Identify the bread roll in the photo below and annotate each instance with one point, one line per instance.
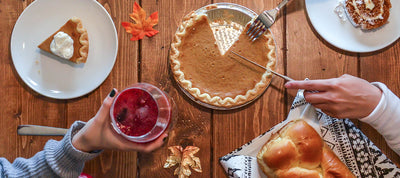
(297, 150)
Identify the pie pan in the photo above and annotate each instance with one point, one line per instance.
(227, 21)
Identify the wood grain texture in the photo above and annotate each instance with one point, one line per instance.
(308, 54)
(232, 129)
(193, 126)
(21, 105)
(301, 53)
(124, 74)
(382, 66)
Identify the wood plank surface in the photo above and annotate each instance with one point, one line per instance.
(21, 105)
(301, 53)
(309, 55)
(125, 73)
(193, 125)
(232, 129)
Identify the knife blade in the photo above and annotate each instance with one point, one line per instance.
(269, 70)
(40, 130)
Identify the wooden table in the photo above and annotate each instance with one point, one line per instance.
(301, 53)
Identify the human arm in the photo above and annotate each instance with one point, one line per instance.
(58, 159)
(343, 97)
(386, 117)
(352, 97)
(82, 142)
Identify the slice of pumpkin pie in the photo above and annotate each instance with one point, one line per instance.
(70, 42)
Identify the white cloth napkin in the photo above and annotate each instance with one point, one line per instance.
(353, 148)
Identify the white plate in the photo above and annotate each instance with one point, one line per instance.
(344, 35)
(52, 76)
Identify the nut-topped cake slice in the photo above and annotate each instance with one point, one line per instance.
(368, 14)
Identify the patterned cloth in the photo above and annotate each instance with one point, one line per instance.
(353, 148)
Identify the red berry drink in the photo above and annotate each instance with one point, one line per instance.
(141, 113)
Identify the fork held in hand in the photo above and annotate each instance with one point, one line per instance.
(264, 21)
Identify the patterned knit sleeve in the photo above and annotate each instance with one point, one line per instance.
(58, 159)
(386, 117)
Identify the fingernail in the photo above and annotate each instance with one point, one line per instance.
(112, 93)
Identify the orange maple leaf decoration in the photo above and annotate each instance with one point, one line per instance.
(142, 26)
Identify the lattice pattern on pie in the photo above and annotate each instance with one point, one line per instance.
(220, 80)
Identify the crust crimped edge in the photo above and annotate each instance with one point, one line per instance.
(188, 21)
(83, 40)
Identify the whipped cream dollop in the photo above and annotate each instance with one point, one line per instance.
(62, 45)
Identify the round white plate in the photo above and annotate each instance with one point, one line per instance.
(344, 35)
(52, 76)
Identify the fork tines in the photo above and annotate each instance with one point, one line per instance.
(264, 21)
(256, 29)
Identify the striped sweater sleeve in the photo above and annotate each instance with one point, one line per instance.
(57, 159)
(386, 117)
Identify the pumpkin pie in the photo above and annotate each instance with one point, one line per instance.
(221, 80)
(80, 47)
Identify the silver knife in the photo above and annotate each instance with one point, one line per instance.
(40, 130)
(269, 70)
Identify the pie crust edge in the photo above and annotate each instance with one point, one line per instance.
(83, 40)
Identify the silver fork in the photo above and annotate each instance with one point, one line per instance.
(264, 21)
